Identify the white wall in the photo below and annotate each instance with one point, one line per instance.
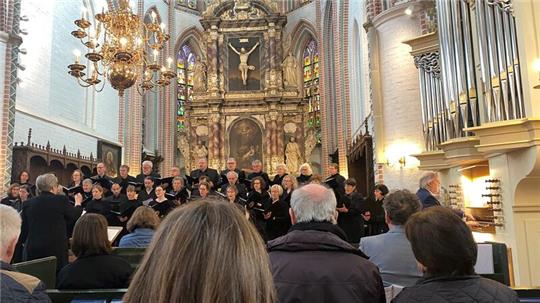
(401, 101)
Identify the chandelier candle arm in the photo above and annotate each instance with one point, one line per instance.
(122, 51)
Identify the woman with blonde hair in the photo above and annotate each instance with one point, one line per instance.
(289, 184)
(141, 227)
(225, 260)
(305, 173)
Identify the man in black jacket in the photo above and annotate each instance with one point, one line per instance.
(45, 219)
(124, 178)
(232, 166)
(15, 286)
(204, 170)
(147, 171)
(257, 168)
(313, 262)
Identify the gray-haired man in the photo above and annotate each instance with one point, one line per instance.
(313, 262)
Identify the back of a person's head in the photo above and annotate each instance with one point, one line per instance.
(143, 217)
(46, 182)
(400, 205)
(90, 236)
(314, 203)
(442, 242)
(205, 251)
(10, 228)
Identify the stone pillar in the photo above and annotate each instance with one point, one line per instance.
(133, 140)
(212, 58)
(214, 140)
(169, 110)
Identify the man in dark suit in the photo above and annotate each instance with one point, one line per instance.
(257, 169)
(147, 171)
(204, 170)
(231, 166)
(336, 182)
(45, 219)
(232, 179)
(124, 178)
(430, 189)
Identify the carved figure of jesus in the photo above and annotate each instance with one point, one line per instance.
(243, 67)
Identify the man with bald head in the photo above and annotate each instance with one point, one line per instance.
(314, 262)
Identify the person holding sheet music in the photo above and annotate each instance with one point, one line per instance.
(147, 171)
(98, 205)
(258, 201)
(45, 220)
(87, 185)
(115, 200)
(124, 178)
(232, 179)
(24, 179)
(305, 174)
(277, 217)
(350, 212)
(147, 194)
(289, 184)
(281, 172)
(336, 182)
(257, 171)
(161, 205)
(204, 170)
(178, 192)
(128, 207)
(76, 178)
(12, 198)
(232, 166)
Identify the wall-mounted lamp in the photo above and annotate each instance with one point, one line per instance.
(536, 66)
(401, 161)
(409, 10)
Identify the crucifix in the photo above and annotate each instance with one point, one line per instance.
(243, 67)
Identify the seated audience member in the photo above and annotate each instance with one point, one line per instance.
(95, 267)
(313, 262)
(141, 227)
(277, 215)
(12, 198)
(305, 174)
(24, 179)
(45, 221)
(350, 212)
(446, 252)
(224, 261)
(148, 193)
(392, 252)
(289, 184)
(374, 217)
(161, 205)
(98, 205)
(15, 286)
(281, 172)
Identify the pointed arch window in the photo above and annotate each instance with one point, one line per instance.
(311, 84)
(185, 63)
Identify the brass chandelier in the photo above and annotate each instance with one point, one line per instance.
(117, 49)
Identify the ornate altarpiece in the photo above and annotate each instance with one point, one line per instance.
(247, 121)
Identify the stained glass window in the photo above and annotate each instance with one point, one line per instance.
(311, 85)
(185, 62)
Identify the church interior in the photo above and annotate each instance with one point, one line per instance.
(385, 89)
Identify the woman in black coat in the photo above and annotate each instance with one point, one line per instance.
(258, 201)
(98, 205)
(277, 217)
(375, 214)
(24, 179)
(350, 213)
(95, 267)
(45, 219)
(281, 172)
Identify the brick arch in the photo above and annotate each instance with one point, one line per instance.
(303, 32)
(194, 37)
